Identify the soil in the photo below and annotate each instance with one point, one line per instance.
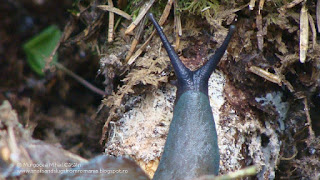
(59, 109)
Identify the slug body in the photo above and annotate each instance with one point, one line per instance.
(191, 148)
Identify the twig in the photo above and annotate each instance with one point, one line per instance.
(265, 74)
(80, 80)
(248, 171)
(290, 158)
(306, 110)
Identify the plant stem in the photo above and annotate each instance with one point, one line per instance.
(80, 80)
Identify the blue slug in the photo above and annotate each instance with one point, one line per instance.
(191, 148)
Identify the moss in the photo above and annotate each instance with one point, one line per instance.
(198, 7)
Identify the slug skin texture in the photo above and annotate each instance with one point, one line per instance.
(191, 149)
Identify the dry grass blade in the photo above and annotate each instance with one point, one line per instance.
(248, 171)
(313, 30)
(261, 4)
(265, 74)
(318, 15)
(115, 10)
(166, 12)
(260, 32)
(292, 4)
(132, 48)
(111, 22)
(141, 49)
(87, 33)
(252, 4)
(142, 14)
(136, 39)
(304, 33)
(68, 29)
(177, 25)
(163, 18)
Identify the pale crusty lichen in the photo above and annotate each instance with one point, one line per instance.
(142, 131)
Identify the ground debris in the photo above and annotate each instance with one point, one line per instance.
(20, 152)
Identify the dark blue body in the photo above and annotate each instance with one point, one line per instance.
(191, 148)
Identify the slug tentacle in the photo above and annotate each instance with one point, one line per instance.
(192, 80)
(207, 69)
(182, 72)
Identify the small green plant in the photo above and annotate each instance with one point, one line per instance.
(40, 47)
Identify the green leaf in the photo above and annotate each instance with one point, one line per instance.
(40, 47)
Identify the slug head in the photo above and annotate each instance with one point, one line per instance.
(187, 79)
